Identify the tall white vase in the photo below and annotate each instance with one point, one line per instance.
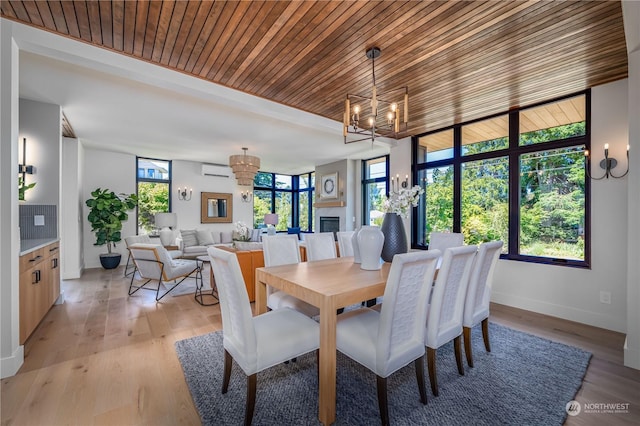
(370, 242)
(356, 247)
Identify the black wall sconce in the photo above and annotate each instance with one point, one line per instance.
(182, 194)
(608, 164)
(23, 167)
(246, 196)
(396, 184)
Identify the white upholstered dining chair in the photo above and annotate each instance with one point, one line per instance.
(256, 343)
(444, 240)
(284, 250)
(387, 341)
(320, 246)
(154, 263)
(476, 306)
(345, 245)
(444, 317)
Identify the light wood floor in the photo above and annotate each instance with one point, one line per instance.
(105, 358)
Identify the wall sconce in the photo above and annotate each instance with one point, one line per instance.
(246, 196)
(23, 167)
(182, 194)
(607, 164)
(396, 184)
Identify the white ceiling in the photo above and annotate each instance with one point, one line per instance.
(121, 104)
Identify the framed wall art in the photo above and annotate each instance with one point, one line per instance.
(329, 186)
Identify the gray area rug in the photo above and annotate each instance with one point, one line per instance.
(525, 380)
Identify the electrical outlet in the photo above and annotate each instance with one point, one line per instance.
(605, 297)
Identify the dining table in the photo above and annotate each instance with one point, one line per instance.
(329, 285)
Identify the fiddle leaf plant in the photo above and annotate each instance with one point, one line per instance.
(107, 211)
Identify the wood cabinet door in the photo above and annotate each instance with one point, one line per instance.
(31, 301)
(54, 278)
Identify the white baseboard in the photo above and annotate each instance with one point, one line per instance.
(559, 311)
(631, 356)
(9, 366)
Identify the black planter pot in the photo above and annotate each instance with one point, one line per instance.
(110, 260)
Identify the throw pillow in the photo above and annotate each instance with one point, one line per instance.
(189, 237)
(204, 237)
(255, 235)
(226, 237)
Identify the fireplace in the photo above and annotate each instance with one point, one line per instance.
(330, 224)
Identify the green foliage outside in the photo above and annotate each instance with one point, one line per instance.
(152, 198)
(552, 199)
(107, 211)
(283, 202)
(375, 200)
(261, 206)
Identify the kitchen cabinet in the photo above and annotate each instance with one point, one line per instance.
(39, 286)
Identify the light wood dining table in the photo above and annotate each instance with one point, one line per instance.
(329, 285)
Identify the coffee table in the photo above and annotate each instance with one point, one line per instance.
(200, 294)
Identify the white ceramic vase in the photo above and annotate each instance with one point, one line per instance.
(370, 242)
(356, 248)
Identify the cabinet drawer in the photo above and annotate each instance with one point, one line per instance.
(29, 260)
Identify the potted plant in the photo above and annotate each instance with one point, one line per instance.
(23, 188)
(107, 211)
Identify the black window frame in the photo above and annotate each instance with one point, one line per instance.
(513, 152)
(295, 196)
(366, 181)
(153, 180)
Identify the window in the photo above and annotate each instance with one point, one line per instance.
(518, 177)
(375, 181)
(290, 197)
(154, 183)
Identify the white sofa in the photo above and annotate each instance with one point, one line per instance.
(194, 242)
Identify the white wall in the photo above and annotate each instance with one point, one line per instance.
(106, 170)
(400, 165)
(40, 124)
(188, 173)
(631, 14)
(11, 352)
(71, 210)
(344, 168)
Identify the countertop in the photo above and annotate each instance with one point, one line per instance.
(27, 246)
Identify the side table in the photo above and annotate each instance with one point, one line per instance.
(199, 295)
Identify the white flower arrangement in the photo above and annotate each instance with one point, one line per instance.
(401, 202)
(242, 232)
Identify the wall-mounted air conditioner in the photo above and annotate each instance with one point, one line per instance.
(216, 170)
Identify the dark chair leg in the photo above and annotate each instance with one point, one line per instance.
(227, 371)
(251, 399)
(485, 334)
(371, 302)
(466, 331)
(456, 348)
(431, 364)
(382, 400)
(419, 363)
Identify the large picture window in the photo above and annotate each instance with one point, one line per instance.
(518, 177)
(290, 197)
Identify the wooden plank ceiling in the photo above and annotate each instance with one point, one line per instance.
(461, 60)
